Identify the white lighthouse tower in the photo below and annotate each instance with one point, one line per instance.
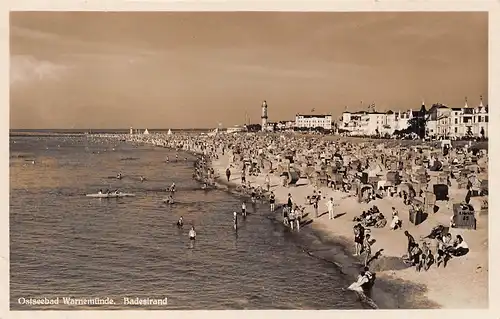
(264, 116)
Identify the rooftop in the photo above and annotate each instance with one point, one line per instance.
(314, 115)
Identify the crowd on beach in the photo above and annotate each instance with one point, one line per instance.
(340, 174)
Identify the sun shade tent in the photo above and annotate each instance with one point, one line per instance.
(441, 191)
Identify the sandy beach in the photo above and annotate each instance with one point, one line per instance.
(462, 284)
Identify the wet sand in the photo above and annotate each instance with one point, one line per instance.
(462, 284)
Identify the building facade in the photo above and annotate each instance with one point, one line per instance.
(313, 121)
(458, 122)
(373, 123)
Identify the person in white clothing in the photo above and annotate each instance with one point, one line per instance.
(244, 209)
(358, 285)
(330, 205)
(192, 233)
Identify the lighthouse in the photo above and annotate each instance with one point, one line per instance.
(264, 116)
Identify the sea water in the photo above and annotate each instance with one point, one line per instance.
(66, 245)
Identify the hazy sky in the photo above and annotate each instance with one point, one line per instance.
(174, 70)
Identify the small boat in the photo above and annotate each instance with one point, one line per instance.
(110, 195)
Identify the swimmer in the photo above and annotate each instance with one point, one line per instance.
(143, 178)
(192, 233)
(180, 222)
(166, 159)
(170, 199)
(119, 176)
(172, 188)
(100, 192)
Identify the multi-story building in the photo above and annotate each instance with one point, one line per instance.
(439, 119)
(352, 123)
(313, 121)
(373, 123)
(458, 122)
(285, 125)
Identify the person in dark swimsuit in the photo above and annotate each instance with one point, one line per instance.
(272, 201)
(359, 236)
(411, 243)
(316, 205)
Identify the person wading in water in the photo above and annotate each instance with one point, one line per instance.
(272, 201)
(192, 233)
(244, 209)
(235, 221)
(180, 222)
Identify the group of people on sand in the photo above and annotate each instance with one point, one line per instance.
(422, 257)
(373, 217)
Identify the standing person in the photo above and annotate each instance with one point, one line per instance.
(253, 196)
(359, 235)
(272, 201)
(411, 243)
(235, 221)
(290, 201)
(243, 178)
(330, 206)
(316, 205)
(367, 249)
(192, 237)
(268, 182)
(192, 233)
(228, 174)
(244, 209)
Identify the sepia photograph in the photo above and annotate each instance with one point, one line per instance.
(248, 160)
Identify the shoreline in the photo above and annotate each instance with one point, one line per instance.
(379, 298)
(397, 286)
(409, 289)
